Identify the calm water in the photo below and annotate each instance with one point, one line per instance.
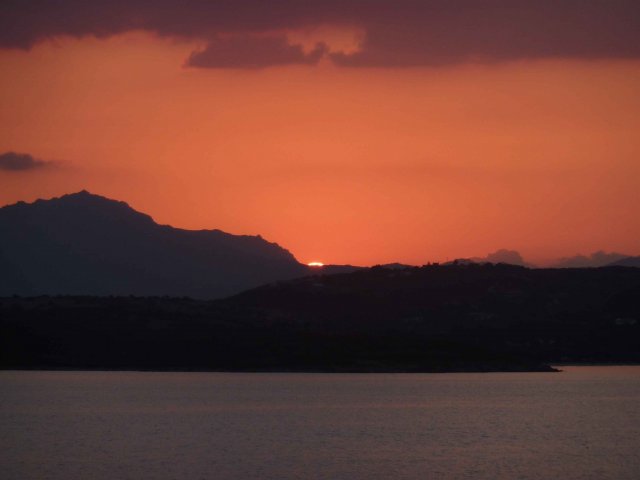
(583, 423)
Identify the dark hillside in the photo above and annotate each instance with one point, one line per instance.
(84, 244)
(433, 318)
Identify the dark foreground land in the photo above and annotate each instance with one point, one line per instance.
(428, 319)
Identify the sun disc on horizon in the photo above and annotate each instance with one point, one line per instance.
(315, 264)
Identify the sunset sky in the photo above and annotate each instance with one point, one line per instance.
(357, 132)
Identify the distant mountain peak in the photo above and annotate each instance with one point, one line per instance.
(596, 259)
(83, 196)
(87, 196)
(81, 193)
(503, 255)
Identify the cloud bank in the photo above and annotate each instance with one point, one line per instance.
(398, 33)
(14, 162)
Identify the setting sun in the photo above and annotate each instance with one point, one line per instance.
(315, 264)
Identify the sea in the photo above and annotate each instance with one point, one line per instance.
(581, 423)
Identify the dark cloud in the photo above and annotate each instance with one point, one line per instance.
(253, 52)
(24, 23)
(13, 162)
(398, 33)
(496, 31)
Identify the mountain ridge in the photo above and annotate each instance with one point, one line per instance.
(87, 244)
(82, 243)
(627, 262)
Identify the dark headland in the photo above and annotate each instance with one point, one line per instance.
(436, 318)
(90, 283)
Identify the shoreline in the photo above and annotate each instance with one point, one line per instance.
(551, 369)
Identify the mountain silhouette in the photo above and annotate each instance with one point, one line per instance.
(596, 259)
(501, 256)
(85, 244)
(627, 262)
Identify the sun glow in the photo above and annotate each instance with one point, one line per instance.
(315, 264)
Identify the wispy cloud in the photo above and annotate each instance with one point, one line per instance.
(18, 162)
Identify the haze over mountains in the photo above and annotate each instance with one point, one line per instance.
(102, 256)
(627, 262)
(85, 244)
(595, 260)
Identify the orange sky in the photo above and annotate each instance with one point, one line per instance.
(340, 165)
